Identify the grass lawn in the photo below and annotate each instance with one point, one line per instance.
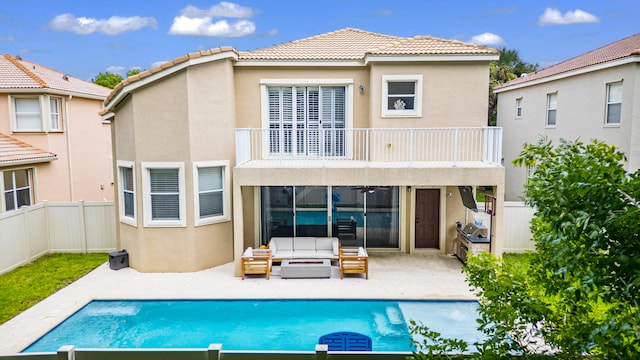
(23, 287)
(517, 263)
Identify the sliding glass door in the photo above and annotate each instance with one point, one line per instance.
(358, 218)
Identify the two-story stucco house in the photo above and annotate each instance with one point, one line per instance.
(351, 134)
(595, 95)
(53, 143)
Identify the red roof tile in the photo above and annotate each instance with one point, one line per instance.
(14, 151)
(620, 49)
(17, 73)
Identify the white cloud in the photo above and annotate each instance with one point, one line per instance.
(488, 39)
(115, 69)
(111, 26)
(223, 9)
(553, 16)
(7, 38)
(200, 22)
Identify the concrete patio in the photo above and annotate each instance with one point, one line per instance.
(391, 276)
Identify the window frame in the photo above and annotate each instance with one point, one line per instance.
(45, 113)
(226, 196)
(608, 102)
(14, 190)
(549, 109)
(133, 221)
(146, 191)
(390, 113)
(519, 108)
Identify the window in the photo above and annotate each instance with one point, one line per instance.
(211, 196)
(54, 112)
(17, 189)
(164, 201)
(614, 103)
(519, 107)
(402, 95)
(127, 195)
(307, 121)
(552, 104)
(29, 113)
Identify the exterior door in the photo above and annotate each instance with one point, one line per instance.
(427, 221)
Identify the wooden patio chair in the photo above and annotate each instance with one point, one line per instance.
(354, 261)
(256, 261)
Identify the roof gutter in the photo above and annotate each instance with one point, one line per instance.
(26, 161)
(584, 70)
(431, 58)
(52, 92)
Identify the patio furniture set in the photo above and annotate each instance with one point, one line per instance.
(305, 257)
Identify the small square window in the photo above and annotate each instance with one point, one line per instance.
(17, 189)
(402, 95)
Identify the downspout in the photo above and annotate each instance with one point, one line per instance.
(68, 132)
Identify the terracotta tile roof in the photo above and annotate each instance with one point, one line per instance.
(345, 44)
(342, 45)
(428, 45)
(620, 49)
(14, 151)
(17, 73)
(355, 44)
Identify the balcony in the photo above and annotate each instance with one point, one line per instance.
(424, 147)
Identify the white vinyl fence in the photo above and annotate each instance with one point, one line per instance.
(49, 227)
(517, 233)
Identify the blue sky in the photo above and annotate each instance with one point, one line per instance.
(86, 37)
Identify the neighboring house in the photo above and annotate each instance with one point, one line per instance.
(591, 96)
(48, 115)
(352, 134)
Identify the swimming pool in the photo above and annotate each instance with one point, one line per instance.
(254, 324)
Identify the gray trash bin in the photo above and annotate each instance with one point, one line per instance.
(118, 259)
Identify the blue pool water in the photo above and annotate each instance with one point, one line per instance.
(255, 324)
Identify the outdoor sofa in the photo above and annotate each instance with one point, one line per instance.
(283, 248)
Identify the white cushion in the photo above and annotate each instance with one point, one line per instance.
(362, 252)
(324, 243)
(282, 243)
(304, 243)
(306, 254)
(248, 252)
(335, 245)
(287, 254)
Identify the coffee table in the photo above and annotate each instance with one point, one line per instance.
(305, 268)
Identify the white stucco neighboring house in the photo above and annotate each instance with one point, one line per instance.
(595, 95)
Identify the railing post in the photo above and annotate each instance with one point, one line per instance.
(366, 147)
(411, 145)
(213, 352)
(66, 352)
(321, 351)
(455, 146)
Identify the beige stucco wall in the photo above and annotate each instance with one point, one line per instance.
(248, 94)
(581, 102)
(83, 168)
(453, 94)
(186, 117)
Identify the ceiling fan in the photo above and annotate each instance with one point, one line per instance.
(368, 189)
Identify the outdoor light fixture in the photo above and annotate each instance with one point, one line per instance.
(361, 87)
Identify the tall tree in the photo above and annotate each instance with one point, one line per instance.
(509, 66)
(107, 79)
(110, 80)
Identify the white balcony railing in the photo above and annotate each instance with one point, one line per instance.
(450, 145)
